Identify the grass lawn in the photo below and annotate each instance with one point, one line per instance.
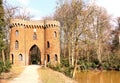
(49, 76)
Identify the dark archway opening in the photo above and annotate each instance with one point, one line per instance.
(56, 58)
(34, 55)
(12, 58)
(48, 58)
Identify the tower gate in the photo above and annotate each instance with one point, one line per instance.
(34, 42)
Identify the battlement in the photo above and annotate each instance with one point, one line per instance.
(34, 24)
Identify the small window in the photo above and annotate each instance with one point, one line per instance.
(56, 58)
(34, 36)
(55, 34)
(20, 57)
(16, 44)
(48, 44)
(16, 32)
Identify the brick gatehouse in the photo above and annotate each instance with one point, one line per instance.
(34, 42)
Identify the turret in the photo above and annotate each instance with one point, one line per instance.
(52, 41)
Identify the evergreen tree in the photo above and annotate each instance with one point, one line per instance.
(1, 26)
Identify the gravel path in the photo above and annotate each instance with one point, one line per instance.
(29, 75)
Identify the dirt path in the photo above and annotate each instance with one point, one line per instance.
(29, 75)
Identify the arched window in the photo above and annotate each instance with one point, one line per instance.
(55, 34)
(20, 57)
(56, 58)
(34, 36)
(16, 32)
(48, 58)
(48, 44)
(16, 44)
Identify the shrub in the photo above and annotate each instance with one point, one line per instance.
(94, 65)
(96, 61)
(5, 67)
(1, 67)
(118, 67)
(106, 66)
(49, 65)
(84, 64)
(57, 67)
(68, 71)
(63, 67)
(65, 62)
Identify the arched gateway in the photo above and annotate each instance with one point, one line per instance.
(34, 55)
(34, 42)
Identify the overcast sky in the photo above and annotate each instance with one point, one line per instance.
(41, 8)
(112, 6)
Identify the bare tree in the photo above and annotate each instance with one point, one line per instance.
(12, 12)
(24, 14)
(85, 28)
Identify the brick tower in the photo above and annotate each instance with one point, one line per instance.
(34, 42)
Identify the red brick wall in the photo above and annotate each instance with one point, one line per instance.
(45, 32)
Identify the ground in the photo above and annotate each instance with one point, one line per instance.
(49, 76)
(36, 74)
(14, 72)
(29, 75)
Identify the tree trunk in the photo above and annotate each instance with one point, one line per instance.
(99, 53)
(69, 50)
(76, 57)
(75, 68)
(73, 49)
(3, 56)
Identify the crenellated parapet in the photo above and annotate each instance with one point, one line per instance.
(50, 23)
(34, 24)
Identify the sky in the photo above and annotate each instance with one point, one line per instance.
(37, 8)
(42, 8)
(112, 6)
